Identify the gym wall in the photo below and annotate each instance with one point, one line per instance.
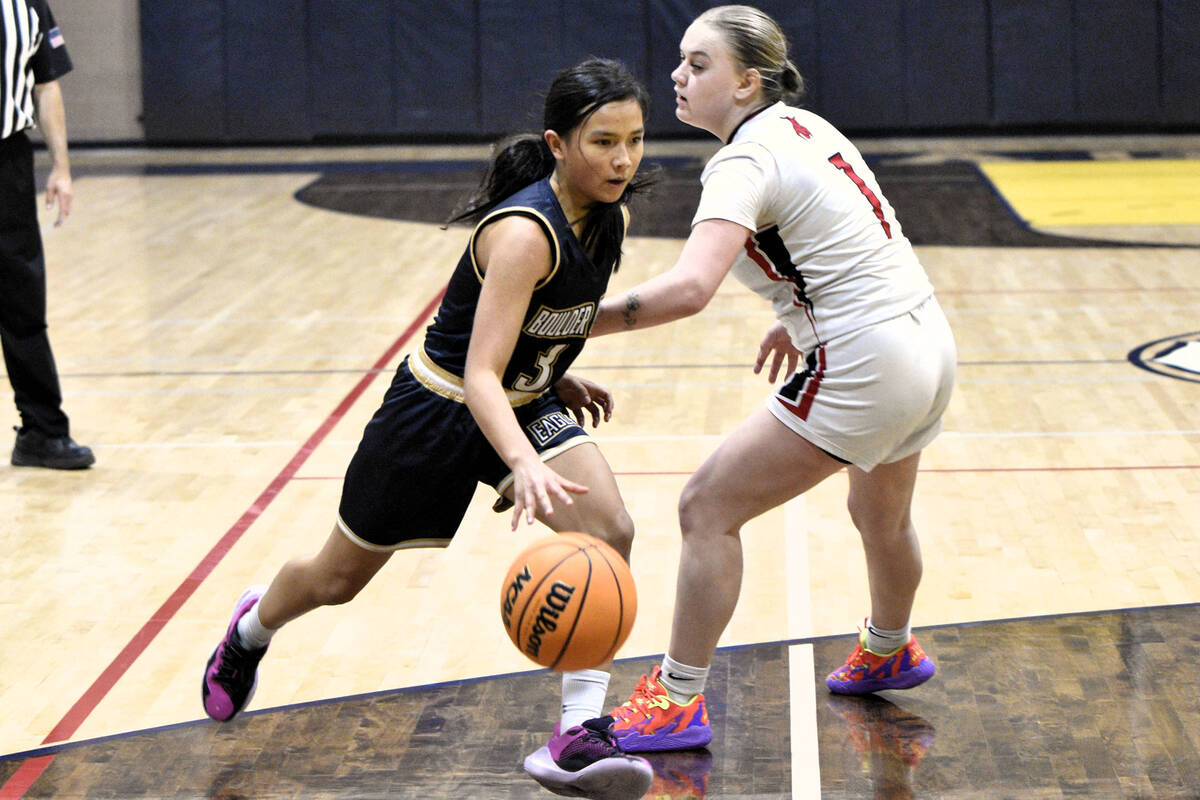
(332, 70)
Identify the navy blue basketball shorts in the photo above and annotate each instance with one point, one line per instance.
(421, 457)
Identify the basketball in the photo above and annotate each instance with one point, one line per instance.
(568, 602)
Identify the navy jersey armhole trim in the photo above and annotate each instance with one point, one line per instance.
(523, 211)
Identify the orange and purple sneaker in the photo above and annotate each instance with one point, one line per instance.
(865, 672)
(651, 721)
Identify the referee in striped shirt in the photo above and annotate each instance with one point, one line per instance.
(33, 56)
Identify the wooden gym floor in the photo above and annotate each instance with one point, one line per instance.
(225, 322)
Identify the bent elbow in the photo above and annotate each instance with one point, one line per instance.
(693, 297)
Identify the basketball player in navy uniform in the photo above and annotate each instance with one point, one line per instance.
(488, 399)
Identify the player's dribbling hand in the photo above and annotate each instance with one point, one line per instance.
(777, 340)
(580, 394)
(534, 486)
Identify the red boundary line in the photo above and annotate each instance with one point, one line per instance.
(25, 776)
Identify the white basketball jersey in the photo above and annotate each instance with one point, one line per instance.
(827, 251)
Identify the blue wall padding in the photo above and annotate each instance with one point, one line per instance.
(520, 48)
(183, 70)
(266, 75)
(305, 70)
(435, 67)
(863, 56)
(948, 73)
(351, 68)
(1116, 61)
(1031, 62)
(1180, 62)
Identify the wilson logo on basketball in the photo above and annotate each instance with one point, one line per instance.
(513, 592)
(547, 619)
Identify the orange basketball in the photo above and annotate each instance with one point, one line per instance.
(568, 602)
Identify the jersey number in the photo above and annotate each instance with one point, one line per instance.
(841, 163)
(545, 367)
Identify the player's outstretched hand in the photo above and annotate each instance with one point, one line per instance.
(776, 340)
(580, 395)
(534, 488)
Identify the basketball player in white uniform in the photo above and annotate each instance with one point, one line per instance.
(790, 207)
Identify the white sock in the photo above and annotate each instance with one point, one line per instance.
(583, 694)
(882, 641)
(681, 681)
(252, 632)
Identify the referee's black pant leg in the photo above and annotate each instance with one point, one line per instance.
(26, 345)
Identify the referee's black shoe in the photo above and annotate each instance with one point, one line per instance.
(36, 449)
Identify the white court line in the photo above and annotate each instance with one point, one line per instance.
(799, 597)
(806, 769)
(806, 764)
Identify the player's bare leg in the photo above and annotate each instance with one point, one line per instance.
(581, 758)
(761, 465)
(880, 504)
(887, 655)
(334, 575)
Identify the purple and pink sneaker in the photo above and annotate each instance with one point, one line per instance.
(584, 761)
(232, 671)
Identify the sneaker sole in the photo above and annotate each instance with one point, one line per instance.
(258, 591)
(616, 778)
(905, 680)
(33, 461)
(690, 739)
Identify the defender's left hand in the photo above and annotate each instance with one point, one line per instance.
(580, 395)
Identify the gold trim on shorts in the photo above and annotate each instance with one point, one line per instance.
(445, 383)
(381, 548)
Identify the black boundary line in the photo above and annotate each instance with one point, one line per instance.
(59, 748)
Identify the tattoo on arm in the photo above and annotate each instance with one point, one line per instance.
(632, 304)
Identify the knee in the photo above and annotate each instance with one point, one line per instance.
(617, 531)
(873, 524)
(696, 512)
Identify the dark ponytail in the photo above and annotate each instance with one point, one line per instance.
(517, 161)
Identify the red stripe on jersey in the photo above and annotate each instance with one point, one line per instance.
(811, 387)
(814, 383)
(758, 258)
(774, 274)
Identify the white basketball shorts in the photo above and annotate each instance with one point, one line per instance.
(877, 394)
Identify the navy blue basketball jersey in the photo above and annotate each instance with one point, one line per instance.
(560, 312)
